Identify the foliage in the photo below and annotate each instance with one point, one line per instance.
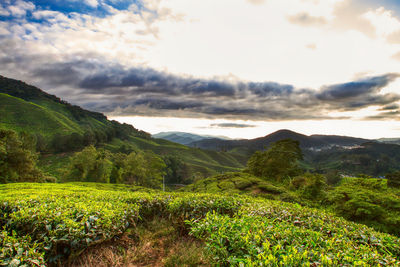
(19, 251)
(17, 158)
(90, 165)
(289, 236)
(309, 185)
(278, 162)
(237, 183)
(176, 170)
(393, 179)
(368, 201)
(99, 165)
(333, 177)
(145, 169)
(59, 221)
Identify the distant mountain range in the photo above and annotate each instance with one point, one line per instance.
(314, 142)
(322, 153)
(185, 138)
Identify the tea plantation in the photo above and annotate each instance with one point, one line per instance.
(50, 224)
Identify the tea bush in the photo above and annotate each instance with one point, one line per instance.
(47, 224)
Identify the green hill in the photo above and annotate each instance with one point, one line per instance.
(68, 128)
(27, 108)
(21, 115)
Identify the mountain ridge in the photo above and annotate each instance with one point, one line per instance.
(260, 143)
(185, 138)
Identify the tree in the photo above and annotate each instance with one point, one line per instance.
(90, 165)
(18, 158)
(118, 165)
(176, 170)
(279, 161)
(143, 168)
(155, 170)
(134, 168)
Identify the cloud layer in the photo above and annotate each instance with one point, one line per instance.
(111, 57)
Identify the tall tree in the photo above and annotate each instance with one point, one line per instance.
(18, 158)
(279, 161)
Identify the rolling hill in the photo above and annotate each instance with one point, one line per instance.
(29, 109)
(184, 138)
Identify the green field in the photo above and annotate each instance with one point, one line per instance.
(50, 224)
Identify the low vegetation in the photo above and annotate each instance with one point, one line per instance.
(49, 224)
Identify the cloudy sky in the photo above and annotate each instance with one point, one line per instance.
(239, 68)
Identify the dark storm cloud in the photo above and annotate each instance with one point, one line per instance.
(391, 115)
(270, 89)
(359, 94)
(391, 107)
(364, 87)
(149, 80)
(232, 125)
(95, 83)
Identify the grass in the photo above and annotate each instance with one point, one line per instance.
(154, 243)
(18, 114)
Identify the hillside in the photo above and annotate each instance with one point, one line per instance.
(27, 108)
(184, 138)
(68, 128)
(390, 140)
(94, 225)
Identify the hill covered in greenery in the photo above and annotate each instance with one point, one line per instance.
(322, 153)
(60, 129)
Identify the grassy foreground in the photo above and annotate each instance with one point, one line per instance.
(49, 224)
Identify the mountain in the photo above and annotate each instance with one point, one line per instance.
(313, 142)
(184, 138)
(68, 128)
(322, 153)
(389, 140)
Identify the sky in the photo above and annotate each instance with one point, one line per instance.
(237, 68)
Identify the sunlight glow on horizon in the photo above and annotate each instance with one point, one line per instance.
(355, 128)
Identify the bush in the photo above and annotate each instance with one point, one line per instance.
(368, 201)
(310, 186)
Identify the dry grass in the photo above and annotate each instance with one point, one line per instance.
(155, 243)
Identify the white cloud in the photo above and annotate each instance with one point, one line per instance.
(258, 43)
(4, 12)
(92, 3)
(20, 8)
(397, 56)
(384, 21)
(256, 2)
